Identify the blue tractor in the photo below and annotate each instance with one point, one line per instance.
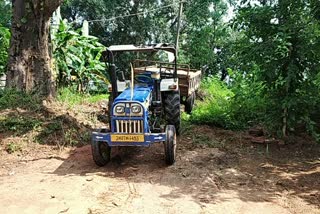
(143, 110)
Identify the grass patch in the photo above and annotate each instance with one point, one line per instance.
(186, 125)
(11, 98)
(18, 124)
(27, 120)
(72, 98)
(62, 132)
(13, 147)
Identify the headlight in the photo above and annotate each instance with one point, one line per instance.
(119, 109)
(136, 109)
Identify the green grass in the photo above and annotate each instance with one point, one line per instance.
(72, 98)
(18, 124)
(10, 98)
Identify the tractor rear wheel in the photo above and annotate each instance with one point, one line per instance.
(189, 103)
(101, 152)
(172, 110)
(170, 145)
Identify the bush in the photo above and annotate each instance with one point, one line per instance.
(248, 105)
(216, 108)
(234, 106)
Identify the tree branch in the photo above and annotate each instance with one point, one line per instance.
(51, 5)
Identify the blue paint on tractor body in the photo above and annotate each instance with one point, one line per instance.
(149, 138)
(140, 94)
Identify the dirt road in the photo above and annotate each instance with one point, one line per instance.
(227, 175)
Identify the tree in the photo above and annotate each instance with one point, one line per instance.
(201, 29)
(158, 24)
(5, 13)
(280, 45)
(29, 66)
(153, 26)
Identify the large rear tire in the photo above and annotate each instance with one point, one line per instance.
(189, 103)
(101, 152)
(170, 145)
(172, 109)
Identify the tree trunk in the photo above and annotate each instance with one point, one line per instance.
(29, 67)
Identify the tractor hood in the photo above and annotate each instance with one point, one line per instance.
(140, 94)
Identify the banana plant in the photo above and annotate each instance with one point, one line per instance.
(78, 58)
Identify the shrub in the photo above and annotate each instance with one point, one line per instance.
(233, 106)
(215, 109)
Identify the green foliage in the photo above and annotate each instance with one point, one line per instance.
(234, 106)
(77, 58)
(5, 13)
(4, 46)
(215, 109)
(282, 40)
(200, 31)
(152, 27)
(248, 105)
(5, 17)
(203, 31)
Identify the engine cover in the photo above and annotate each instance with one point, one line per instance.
(140, 93)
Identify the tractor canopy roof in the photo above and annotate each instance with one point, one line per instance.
(143, 48)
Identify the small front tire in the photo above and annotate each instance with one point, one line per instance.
(101, 152)
(170, 145)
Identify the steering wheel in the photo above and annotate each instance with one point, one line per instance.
(141, 78)
(120, 74)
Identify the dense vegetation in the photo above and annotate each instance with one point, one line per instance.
(261, 65)
(77, 59)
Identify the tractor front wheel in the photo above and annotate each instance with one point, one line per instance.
(170, 145)
(101, 152)
(172, 109)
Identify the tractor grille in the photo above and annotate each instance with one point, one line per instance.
(129, 126)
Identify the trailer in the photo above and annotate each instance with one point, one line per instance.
(189, 79)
